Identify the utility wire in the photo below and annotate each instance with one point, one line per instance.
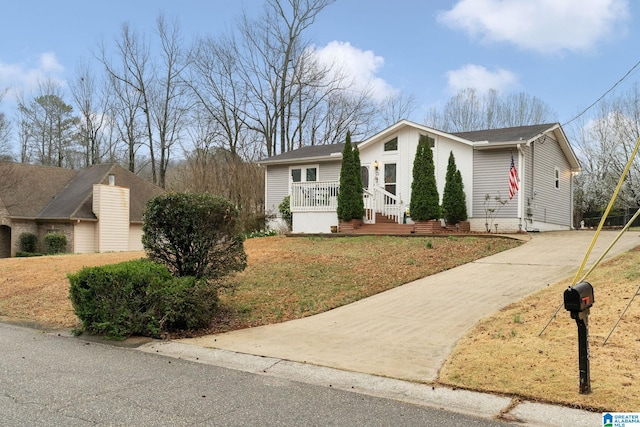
(604, 94)
(620, 318)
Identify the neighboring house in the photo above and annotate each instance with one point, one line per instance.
(542, 156)
(98, 209)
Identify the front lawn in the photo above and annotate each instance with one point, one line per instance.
(289, 278)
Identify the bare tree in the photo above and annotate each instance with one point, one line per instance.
(469, 110)
(5, 132)
(150, 91)
(219, 93)
(93, 118)
(396, 107)
(273, 48)
(132, 80)
(124, 112)
(169, 96)
(604, 146)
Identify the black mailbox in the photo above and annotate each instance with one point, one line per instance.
(578, 298)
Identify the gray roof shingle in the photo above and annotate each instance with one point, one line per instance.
(518, 133)
(311, 151)
(41, 192)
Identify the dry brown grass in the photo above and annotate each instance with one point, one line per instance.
(504, 353)
(36, 290)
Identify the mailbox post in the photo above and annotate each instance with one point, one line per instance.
(578, 300)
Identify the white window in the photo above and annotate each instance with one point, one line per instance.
(303, 174)
(390, 178)
(557, 178)
(391, 145)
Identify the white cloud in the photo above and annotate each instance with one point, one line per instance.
(546, 26)
(20, 77)
(478, 77)
(49, 63)
(359, 66)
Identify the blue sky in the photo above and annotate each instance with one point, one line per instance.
(565, 52)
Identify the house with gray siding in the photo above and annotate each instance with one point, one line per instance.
(542, 157)
(98, 209)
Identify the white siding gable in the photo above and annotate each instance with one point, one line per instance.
(111, 207)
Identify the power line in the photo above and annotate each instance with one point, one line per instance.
(605, 94)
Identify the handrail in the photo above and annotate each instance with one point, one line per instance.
(387, 203)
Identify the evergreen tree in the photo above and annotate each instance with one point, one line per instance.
(350, 202)
(425, 201)
(357, 179)
(454, 205)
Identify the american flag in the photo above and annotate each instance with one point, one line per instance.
(513, 179)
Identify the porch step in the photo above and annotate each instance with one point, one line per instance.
(383, 219)
(384, 228)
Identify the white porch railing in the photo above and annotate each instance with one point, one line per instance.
(322, 196)
(386, 203)
(314, 196)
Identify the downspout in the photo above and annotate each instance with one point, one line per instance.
(571, 224)
(521, 185)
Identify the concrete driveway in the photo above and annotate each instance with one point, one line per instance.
(408, 332)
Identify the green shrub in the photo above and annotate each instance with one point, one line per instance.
(193, 235)
(184, 303)
(454, 204)
(425, 201)
(55, 243)
(260, 233)
(350, 201)
(21, 254)
(28, 242)
(285, 210)
(139, 298)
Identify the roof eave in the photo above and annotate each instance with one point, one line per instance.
(332, 156)
(486, 145)
(406, 123)
(563, 141)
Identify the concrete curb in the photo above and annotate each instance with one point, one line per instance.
(461, 401)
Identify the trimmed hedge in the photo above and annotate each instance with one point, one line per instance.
(55, 243)
(140, 298)
(21, 254)
(28, 242)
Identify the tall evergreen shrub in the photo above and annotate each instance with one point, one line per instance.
(350, 202)
(425, 201)
(454, 205)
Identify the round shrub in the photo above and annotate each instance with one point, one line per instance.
(28, 242)
(193, 235)
(55, 243)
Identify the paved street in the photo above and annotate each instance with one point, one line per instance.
(53, 380)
